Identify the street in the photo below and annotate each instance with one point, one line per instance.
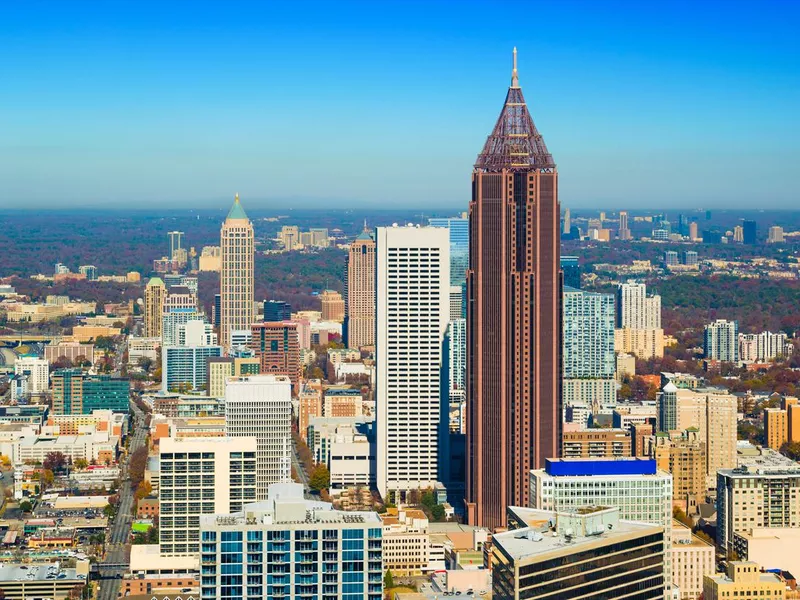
(117, 536)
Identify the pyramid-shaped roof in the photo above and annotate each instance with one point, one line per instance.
(236, 211)
(514, 144)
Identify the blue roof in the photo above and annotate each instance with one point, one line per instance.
(593, 466)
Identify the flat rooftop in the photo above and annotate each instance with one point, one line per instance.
(36, 572)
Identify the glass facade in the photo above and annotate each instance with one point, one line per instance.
(459, 247)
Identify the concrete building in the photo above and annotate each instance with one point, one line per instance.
(338, 402)
(589, 553)
(72, 351)
(634, 485)
(412, 294)
(36, 372)
(360, 297)
(626, 365)
(721, 341)
(684, 457)
(211, 259)
(406, 543)
(40, 580)
(596, 443)
(309, 405)
(775, 235)
(776, 427)
(692, 560)
(277, 346)
(351, 458)
(635, 309)
(767, 546)
(236, 275)
(290, 547)
(142, 348)
(155, 292)
(456, 354)
(186, 366)
(200, 477)
(743, 579)
(764, 347)
(642, 343)
(332, 306)
(764, 491)
(75, 392)
(260, 406)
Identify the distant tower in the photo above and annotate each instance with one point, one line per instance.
(567, 222)
(360, 298)
(750, 232)
(154, 295)
(236, 276)
(175, 240)
(513, 315)
(624, 232)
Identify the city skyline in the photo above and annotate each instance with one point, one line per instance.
(209, 106)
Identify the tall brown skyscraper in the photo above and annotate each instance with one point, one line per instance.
(513, 315)
(360, 295)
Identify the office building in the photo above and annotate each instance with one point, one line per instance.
(721, 341)
(342, 403)
(260, 406)
(624, 232)
(514, 338)
(588, 347)
(290, 547)
(180, 297)
(763, 492)
(567, 228)
(743, 579)
(175, 243)
(76, 393)
(712, 412)
(210, 259)
(201, 477)
(455, 351)
(459, 246)
(456, 303)
(775, 235)
(767, 546)
(635, 309)
(360, 301)
(597, 443)
(155, 292)
(36, 371)
(289, 237)
(634, 485)
(693, 231)
(572, 271)
(692, 559)
(412, 298)
(277, 310)
(185, 367)
(236, 276)
(309, 405)
(332, 306)
(590, 554)
(690, 258)
(671, 258)
(196, 332)
(74, 352)
(90, 271)
(277, 346)
(749, 232)
(173, 321)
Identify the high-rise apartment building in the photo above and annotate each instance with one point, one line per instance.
(77, 393)
(260, 406)
(513, 314)
(201, 477)
(360, 301)
(186, 367)
(37, 371)
(90, 271)
(293, 548)
(671, 258)
(412, 299)
(155, 292)
(749, 231)
(690, 258)
(635, 309)
(588, 347)
(776, 427)
(693, 235)
(277, 346)
(590, 554)
(236, 277)
(764, 347)
(721, 341)
(175, 243)
(684, 457)
(775, 235)
(459, 246)
(277, 310)
(332, 305)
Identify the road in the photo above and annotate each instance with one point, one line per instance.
(117, 547)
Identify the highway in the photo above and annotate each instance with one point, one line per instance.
(117, 536)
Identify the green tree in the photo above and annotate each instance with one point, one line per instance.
(108, 511)
(320, 478)
(25, 506)
(388, 580)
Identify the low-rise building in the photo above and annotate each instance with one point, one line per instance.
(743, 579)
(39, 580)
(406, 544)
(596, 443)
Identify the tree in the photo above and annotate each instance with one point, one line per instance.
(5, 461)
(25, 506)
(62, 362)
(320, 478)
(46, 478)
(792, 450)
(145, 363)
(82, 361)
(54, 461)
(679, 515)
(80, 463)
(108, 511)
(144, 490)
(388, 580)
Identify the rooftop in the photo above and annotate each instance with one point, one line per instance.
(34, 572)
(236, 212)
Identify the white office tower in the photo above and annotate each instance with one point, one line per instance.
(37, 371)
(260, 406)
(413, 308)
(201, 477)
(635, 309)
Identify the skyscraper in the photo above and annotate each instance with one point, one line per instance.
(175, 239)
(624, 232)
(413, 307)
(749, 231)
(459, 246)
(567, 222)
(360, 297)
(155, 292)
(277, 346)
(635, 309)
(236, 277)
(513, 315)
(277, 310)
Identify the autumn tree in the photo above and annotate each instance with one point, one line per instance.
(54, 461)
(320, 478)
(144, 490)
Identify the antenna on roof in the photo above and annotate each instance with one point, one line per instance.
(514, 77)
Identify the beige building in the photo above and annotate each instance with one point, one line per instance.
(767, 547)
(626, 365)
(87, 333)
(361, 292)
(692, 559)
(210, 259)
(684, 456)
(776, 427)
(289, 237)
(643, 343)
(743, 579)
(596, 443)
(221, 369)
(155, 292)
(332, 306)
(406, 544)
(236, 276)
(309, 406)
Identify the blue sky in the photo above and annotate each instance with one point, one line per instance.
(386, 104)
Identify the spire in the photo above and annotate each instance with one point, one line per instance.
(514, 78)
(236, 211)
(514, 144)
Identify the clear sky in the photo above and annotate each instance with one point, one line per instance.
(386, 104)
